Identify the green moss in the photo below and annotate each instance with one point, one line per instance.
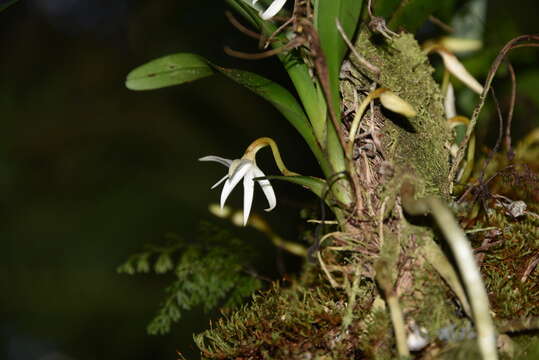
(527, 347)
(417, 145)
(282, 323)
(377, 340)
(516, 244)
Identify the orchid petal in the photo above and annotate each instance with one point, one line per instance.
(248, 190)
(247, 170)
(232, 181)
(266, 188)
(220, 160)
(219, 182)
(273, 9)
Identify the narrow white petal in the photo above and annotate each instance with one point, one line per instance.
(455, 67)
(273, 9)
(248, 189)
(232, 181)
(219, 182)
(267, 188)
(220, 160)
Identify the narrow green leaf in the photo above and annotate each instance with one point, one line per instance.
(316, 185)
(7, 4)
(295, 66)
(180, 68)
(327, 13)
(281, 98)
(168, 71)
(283, 101)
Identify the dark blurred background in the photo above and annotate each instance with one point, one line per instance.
(90, 171)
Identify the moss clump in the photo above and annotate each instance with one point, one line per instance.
(507, 252)
(283, 323)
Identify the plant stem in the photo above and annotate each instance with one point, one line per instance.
(383, 278)
(262, 142)
(359, 114)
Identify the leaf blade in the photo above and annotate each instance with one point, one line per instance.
(327, 13)
(298, 71)
(314, 184)
(282, 100)
(167, 71)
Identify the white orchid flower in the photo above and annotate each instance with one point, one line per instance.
(272, 10)
(247, 170)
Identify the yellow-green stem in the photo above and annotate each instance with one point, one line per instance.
(359, 114)
(445, 82)
(397, 319)
(470, 154)
(262, 142)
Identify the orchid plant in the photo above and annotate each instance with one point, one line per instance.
(374, 170)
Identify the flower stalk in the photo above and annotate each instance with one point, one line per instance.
(250, 153)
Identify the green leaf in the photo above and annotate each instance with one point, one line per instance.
(327, 13)
(298, 71)
(7, 4)
(168, 71)
(316, 185)
(277, 95)
(283, 101)
(183, 67)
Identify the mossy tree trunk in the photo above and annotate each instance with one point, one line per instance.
(382, 286)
